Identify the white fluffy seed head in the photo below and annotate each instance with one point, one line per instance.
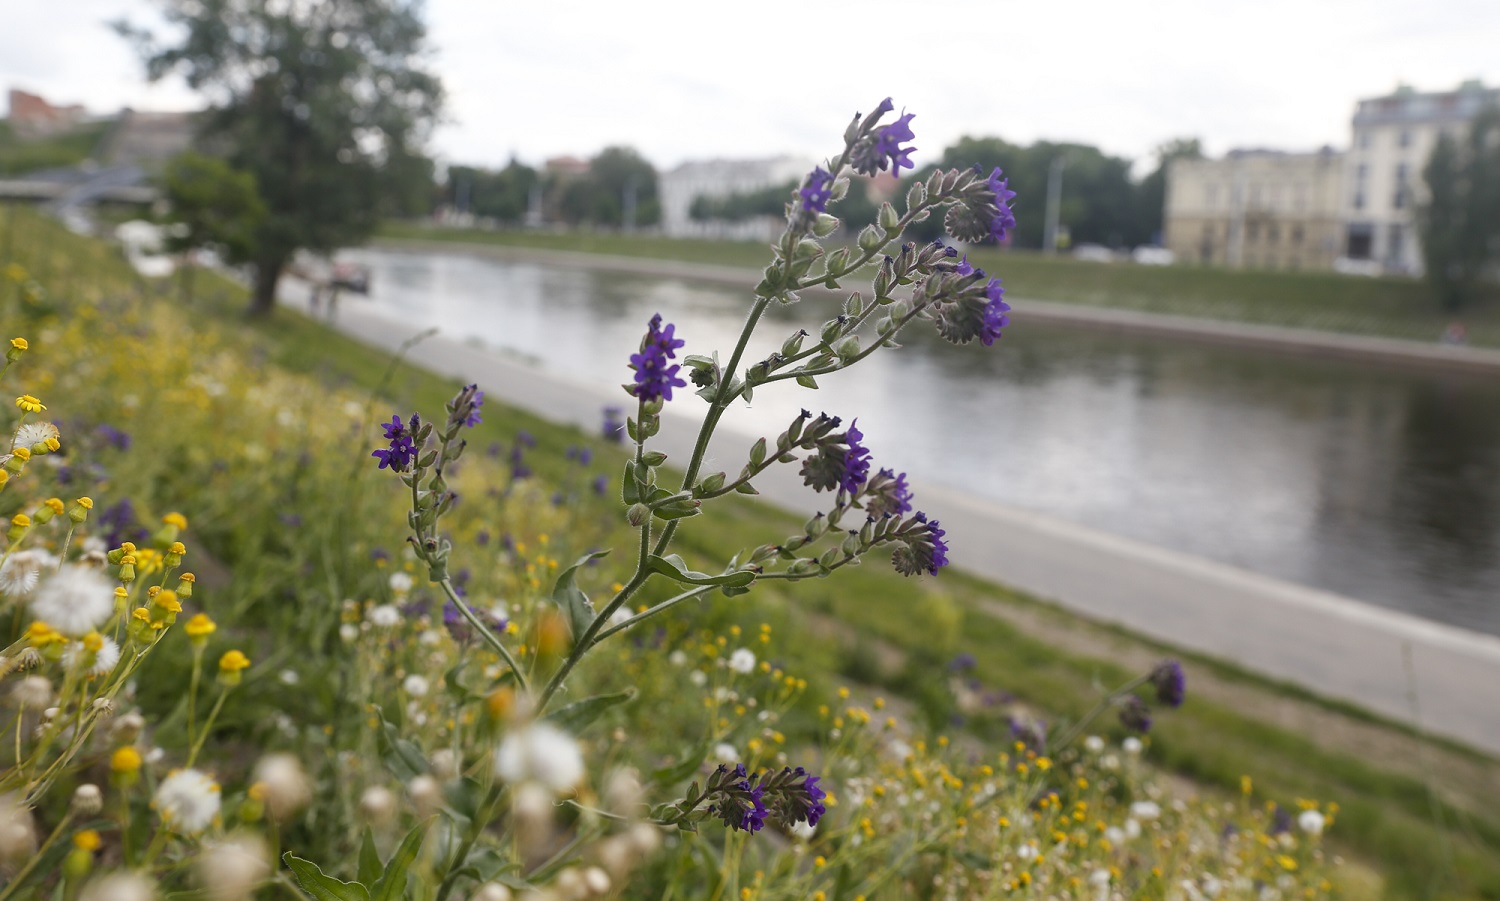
(17, 830)
(188, 801)
(426, 795)
(542, 753)
(491, 891)
(287, 788)
(377, 806)
(119, 887)
(232, 869)
(75, 600)
(1311, 822)
(87, 800)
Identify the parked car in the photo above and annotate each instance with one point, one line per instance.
(1151, 255)
(1093, 253)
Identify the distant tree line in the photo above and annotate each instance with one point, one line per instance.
(619, 190)
(1101, 203)
(1460, 222)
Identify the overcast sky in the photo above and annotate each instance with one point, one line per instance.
(707, 78)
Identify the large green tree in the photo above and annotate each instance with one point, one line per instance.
(213, 207)
(504, 195)
(619, 190)
(327, 104)
(1460, 222)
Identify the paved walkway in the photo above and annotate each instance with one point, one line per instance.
(1334, 646)
(1304, 342)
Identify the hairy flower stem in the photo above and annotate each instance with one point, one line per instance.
(1093, 714)
(208, 726)
(721, 402)
(484, 814)
(653, 611)
(485, 632)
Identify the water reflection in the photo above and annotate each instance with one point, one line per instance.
(1382, 485)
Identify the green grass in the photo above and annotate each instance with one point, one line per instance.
(1423, 849)
(1387, 818)
(19, 156)
(1387, 307)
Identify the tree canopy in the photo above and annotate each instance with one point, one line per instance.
(327, 104)
(1460, 222)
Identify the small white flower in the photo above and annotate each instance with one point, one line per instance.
(1311, 822)
(1132, 829)
(377, 806)
(119, 887)
(32, 692)
(742, 661)
(401, 582)
(19, 574)
(725, 752)
(386, 616)
(540, 752)
(698, 678)
(491, 891)
(1145, 810)
(430, 637)
(1094, 744)
(17, 830)
(426, 795)
(33, 433)
(1212, 887)
(156, 755)
(1115, 834)
(802, 831)
(188, 801)
(677, 657)
(348, 632)
(1132, 745)
(620, 617)
(416, 686)
(74, 601)
(289, 677)
(1099, 877)
(287, 788)
(1026, 852)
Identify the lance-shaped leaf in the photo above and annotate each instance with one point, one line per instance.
(571, 600)
(323, 887)
(576, 716)
(392, 885)
(673, 567)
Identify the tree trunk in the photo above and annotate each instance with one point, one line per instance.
(267, 276)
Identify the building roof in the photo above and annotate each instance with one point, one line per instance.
(1409, 106)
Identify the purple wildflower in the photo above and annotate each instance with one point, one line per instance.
(964, 267)
(1135, 715)
(475, 402)
(1170, 683)
(888, 142)
(808, 802)
(114, 437)
(856, 461)
(614, 427)
(888, 494)
(817, 191)
(994, 313)
(601, 485)
(654, 379)
(395, 428)
(402, 451)
(1004, 220)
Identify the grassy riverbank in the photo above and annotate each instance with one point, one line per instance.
(1387, 307)
(1418, 819)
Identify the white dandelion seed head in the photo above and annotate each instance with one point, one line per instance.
(119, 887)
(540, 752)
(1132, 745)
(385, 616)
(1132, 829)
(1145, 810)
(348, 632)
(378, 806)
(33, 433)
(1311, 822)
(74, 600)
(232, 869)
(188, 801)
(426, 795)
(415, 685)
(286, 785)
(1093, 744)
(742, 661)
(724, 752)
(1026, 852)
(104, 660)
(22, 570)
(698, 677)
(401, 582)
(17, 829)
(491, 891)
(677, 657)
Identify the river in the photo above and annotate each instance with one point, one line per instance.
(1374, 482)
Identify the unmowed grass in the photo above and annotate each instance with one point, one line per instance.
(1322, 301)
(1415, 847)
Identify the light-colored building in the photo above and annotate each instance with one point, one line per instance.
(1257, 209)
(1390, 142)
(678, 189)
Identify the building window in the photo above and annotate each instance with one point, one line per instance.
(1297, 234)
(1404, 140)
(1211, 196)
(1361, 240)
(1299, 197)
(1273, 233)
(1359, 200)
(1399, 200)
(1395, 239)
(1364, 140)
(1252, 231)
(1254, 196)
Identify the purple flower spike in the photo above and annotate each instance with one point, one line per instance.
(1170, 683)
(1004, 220)
(402, 451)
(888, 144)
(653, 377)
(856, 461)
(994, 313)
(816, 193)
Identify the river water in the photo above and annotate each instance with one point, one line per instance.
(1379, 483)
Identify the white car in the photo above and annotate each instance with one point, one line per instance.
(1149, 255)
(1093, 253)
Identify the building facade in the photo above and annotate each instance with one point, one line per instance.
(1390, 141)
(678, 188)
(1257, 209)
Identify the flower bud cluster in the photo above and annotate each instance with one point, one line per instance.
(744, 801)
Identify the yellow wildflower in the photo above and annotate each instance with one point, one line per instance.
(200, 626)
(125, 760)
(175, 519)
(30, 404)
(87, 840)
(233, 662)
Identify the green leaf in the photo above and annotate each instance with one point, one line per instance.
(571, 600)
(455, 686)
(321, 887)
(671, 775)
(673, 567)
(402, 756)
(392, 886)
(370, 866)
(628, 490)
(578, 715)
